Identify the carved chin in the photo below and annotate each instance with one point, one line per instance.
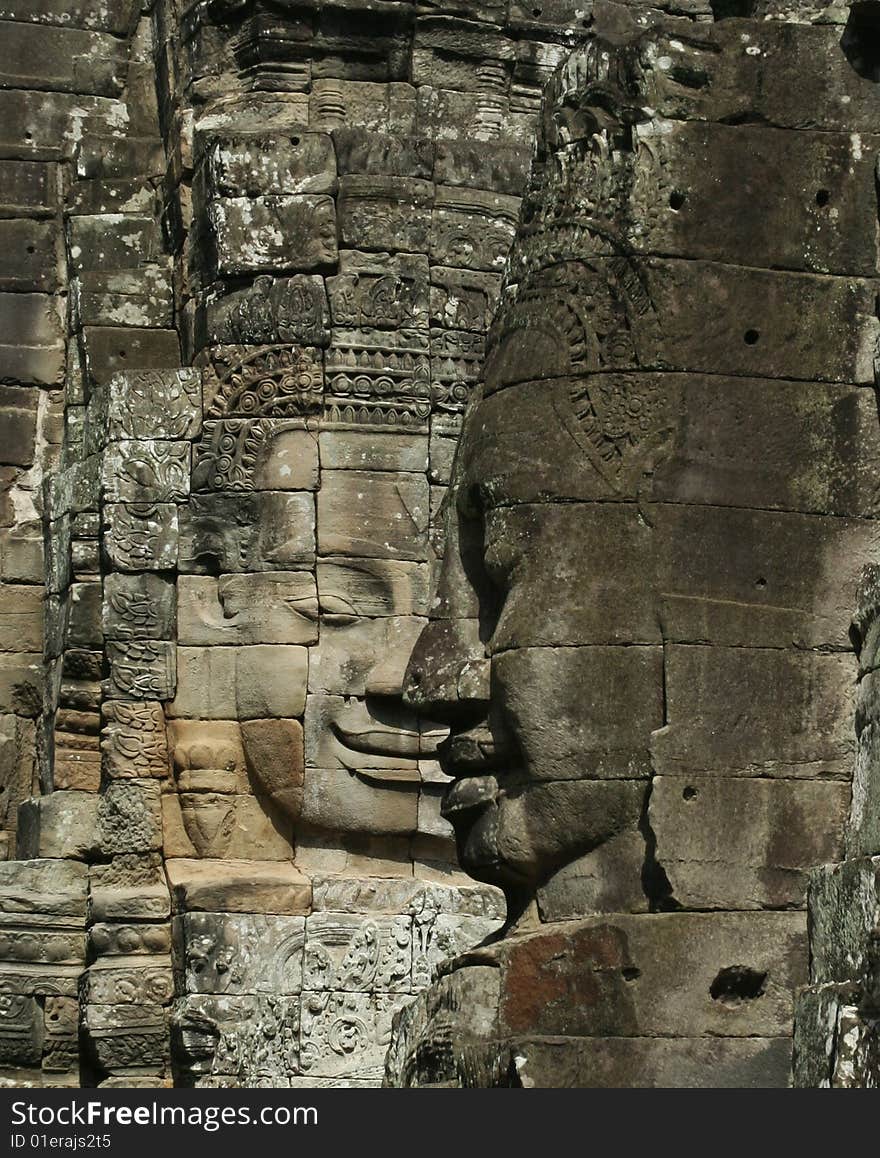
(478, 846)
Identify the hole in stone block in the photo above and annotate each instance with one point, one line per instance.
(725, 9)
(631, 973)
(738, 983)
(690, 793)
(32, 249)
(822, 198)
(294, 141)
(861, 39)
(761, 583)
(677, 199)
(750, 337)
(537, 11)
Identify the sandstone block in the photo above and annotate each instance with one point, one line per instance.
(793, 713)
(274, 232)
(60, 825)
(141, 536)
(745, 843)
(335, 800)
(271, 607)
(246, 683)
(372, 515)
(269, 531)
(250, 165)
(239, 953)
(372, 587)
(236, 886)
(138, 606)
(275, 761)
(133, 740)
(215, 825)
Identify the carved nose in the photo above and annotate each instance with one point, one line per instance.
(386, 678)
(448, 671)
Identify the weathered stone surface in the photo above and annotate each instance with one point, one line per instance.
(360, 737)
(744, 843)
(60, 60)
(110, 349)
(815, 219)
(133, 741)
(244, 683)
(275, 755)
(21, 618)
(843, 907)
(142, 669)
(385, 213)
(216, 825)
(290, 463)
(348, 953)
(583, 739)
(791, 720)
(121, 940)
(142, 536)
(155, 404)
(122, 1036)
(472, 230)
(370, 515)
(694, 948)
(277, 231)
(338, 800)
(43, 886)
(272, 310)
(250, 166)
(247, 1038)
(146, 472)
(62, 825)
(753, 578)
(242, 953)
(147, 981)
(351, 450)
(386, 291)
(234, 533)
(363, 656)
(372, 587)
(346, 1033)
(128, 888)
(231, 886)
(18, 413)
(662, 1063)
(31, 342)
(208, 756)
(17, 766)
(279, 607)
(129, 818)
(138, 607)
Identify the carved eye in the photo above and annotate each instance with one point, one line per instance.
(337, 611)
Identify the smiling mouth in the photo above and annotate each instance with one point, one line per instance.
(388, 742)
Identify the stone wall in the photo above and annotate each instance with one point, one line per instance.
(280, 231)
(666, 506)
(252, 253)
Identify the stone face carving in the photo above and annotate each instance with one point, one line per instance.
(262, 394)
(632, 734)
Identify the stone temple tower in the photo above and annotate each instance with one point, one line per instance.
(255, 613)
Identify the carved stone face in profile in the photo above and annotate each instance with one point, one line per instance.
(639, 635)
(544, 653)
